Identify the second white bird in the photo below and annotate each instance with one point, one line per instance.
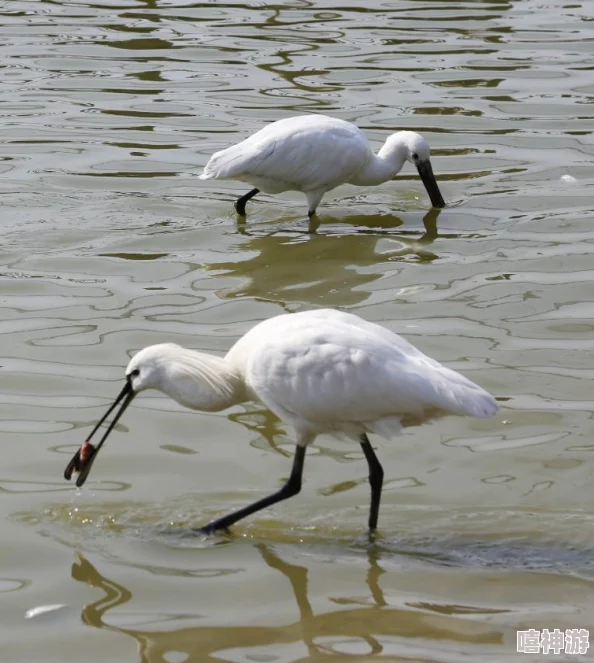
(316, 153)
(321, 371)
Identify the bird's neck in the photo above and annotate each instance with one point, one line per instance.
(205, 382)
(382, 166)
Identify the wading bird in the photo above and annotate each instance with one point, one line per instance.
(314, 154)
(321, 371)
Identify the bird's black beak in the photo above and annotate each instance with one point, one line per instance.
(82, 460)
(428, 178)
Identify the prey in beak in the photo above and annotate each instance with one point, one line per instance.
(83, 459)
(428, 178)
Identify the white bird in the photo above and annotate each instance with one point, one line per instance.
(314, 154)
(322, 371)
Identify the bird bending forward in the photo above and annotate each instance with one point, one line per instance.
(316, 153)
(321, 371)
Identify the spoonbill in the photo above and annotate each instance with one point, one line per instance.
(322, 371)
(315, 154)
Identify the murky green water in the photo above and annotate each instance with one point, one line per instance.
(109, 242)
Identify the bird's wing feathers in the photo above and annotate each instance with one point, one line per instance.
(335, 372)
(298, 153)
(235, 161)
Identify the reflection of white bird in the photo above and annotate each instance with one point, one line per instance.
(314, 154)
(321, 371)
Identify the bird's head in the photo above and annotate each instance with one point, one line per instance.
(196, 380)
(146, 370)
(151, 366)
(414, 148)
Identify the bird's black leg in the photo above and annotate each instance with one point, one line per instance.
(292, 487)
(240, 202)
(376, 479)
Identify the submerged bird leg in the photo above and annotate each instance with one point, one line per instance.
(313, 224)
(376, 479)
(239, 204)
(314, 198)
(292, 487)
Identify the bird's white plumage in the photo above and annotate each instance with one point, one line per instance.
(332, 371)
(314, 154)
(298, 153)
(321, 371)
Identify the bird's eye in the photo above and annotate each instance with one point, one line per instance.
(134, 373)
(415, 155)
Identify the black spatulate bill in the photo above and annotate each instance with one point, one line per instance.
(83, 459)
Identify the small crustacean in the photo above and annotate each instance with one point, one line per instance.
(81, 460)
(86, 451)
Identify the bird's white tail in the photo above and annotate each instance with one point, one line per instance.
(467, 398)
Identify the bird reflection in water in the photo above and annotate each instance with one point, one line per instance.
(379, 225)
(368, 618)
(337, 268)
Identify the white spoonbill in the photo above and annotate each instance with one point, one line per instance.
(314, 154)
(322, 371)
